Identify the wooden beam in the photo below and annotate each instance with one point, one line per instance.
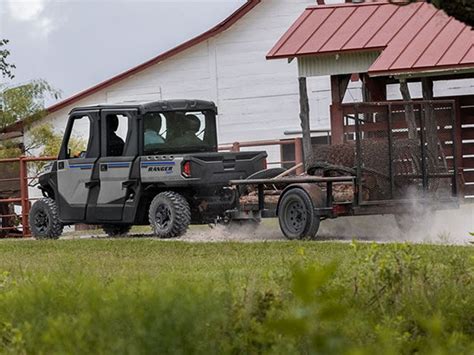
(409, 111)
(305, 126)
(339, 85)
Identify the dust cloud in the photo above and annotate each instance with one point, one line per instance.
(449, 227)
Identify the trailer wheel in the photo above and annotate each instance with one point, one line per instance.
(44, 220)
(116, 230)
(296, 215)
(169, 215)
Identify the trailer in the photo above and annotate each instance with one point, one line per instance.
(384, 166)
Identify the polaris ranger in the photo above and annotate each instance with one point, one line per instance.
(155, 163)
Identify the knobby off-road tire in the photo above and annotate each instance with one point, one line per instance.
(44, 220)
(169, 215)
(296, 215)
(116, 231)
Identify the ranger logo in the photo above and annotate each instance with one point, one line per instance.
(166, 169)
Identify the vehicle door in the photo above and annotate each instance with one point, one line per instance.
(79, 152)
(118, 151)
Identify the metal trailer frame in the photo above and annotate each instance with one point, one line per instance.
(332, 209)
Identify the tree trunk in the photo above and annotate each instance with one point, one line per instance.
(409, 111)
(305, 126)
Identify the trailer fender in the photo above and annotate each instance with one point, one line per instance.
(315, 193)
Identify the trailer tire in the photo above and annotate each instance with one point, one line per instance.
(169, 215)
(44, 220)
(116, 230)
(296, 215)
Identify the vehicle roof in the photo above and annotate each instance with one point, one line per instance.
(161, 106)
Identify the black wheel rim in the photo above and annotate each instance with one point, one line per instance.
(41, 221)
(295, 217)
(163, 217)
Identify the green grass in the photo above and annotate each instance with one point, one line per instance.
(147, 296)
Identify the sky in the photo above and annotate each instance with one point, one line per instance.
(75, 44)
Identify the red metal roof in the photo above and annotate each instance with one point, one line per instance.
(224, 25)
(416, 37)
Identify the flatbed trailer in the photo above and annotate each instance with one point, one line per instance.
(305, 201)
(380, 168)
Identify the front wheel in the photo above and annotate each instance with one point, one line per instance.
(44, 220)
(296, 215)
(169, 215)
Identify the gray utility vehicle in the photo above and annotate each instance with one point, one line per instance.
(154, 163)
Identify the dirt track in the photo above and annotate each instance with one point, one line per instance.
(444, 227)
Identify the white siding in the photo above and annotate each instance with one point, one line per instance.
(257, 99)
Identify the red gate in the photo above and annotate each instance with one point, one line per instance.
(14, 184)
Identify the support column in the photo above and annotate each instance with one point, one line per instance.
(431, 124)
(305, 126)
(409, 110)
(339, 85)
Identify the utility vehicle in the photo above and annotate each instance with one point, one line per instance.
(155, 163)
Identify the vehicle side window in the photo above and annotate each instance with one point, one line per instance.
(79, 138)
(116, 134)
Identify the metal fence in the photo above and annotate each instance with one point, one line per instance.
(14, 192)
(397, 149)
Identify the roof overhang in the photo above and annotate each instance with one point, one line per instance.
(412, 40)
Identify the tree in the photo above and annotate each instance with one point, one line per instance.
(463, 10)
(25, 102)
(5, 67)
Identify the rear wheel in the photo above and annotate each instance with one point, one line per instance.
(169, 215)
(44, 220)
(296, 215)
(116, 231)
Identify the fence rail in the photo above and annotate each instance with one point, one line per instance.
(8, 219)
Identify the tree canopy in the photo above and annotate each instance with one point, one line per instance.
(6, 69)
(463, 10)
(26, 102)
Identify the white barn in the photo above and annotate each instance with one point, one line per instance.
(257, 99)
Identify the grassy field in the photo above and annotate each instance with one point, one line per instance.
(147, 296)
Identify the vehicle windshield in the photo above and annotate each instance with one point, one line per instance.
(179, 132)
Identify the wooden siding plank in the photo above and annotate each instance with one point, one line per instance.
(468, 176)
(467, 133)
(468, 149)
(468, 190)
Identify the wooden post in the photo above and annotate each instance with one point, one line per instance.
(339, 85)
(431, 124)
(299, 158)
(305, 126)
(409, 111)
(25, 203)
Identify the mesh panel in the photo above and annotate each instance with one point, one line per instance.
(398, 150)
